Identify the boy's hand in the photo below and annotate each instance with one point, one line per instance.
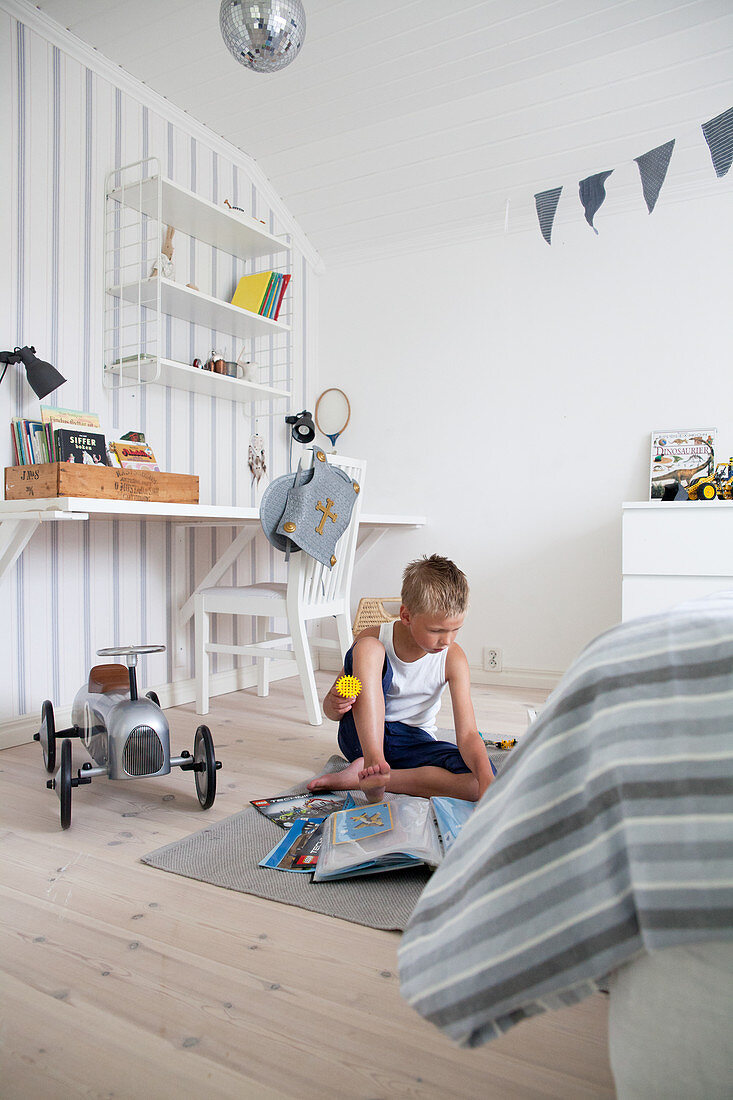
(335, 706)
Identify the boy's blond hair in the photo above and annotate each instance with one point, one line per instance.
(434, 586)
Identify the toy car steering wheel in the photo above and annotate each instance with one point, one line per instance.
(129, 650)
(131, 653)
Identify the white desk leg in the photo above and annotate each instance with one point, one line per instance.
(15, 534)
(178, 592)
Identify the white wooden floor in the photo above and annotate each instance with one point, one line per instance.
(119, 980)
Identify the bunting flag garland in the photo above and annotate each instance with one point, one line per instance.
(653, 167)
(719, 136)
(592, 193)
(546, 203)
(653, 171)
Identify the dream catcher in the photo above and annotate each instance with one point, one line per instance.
(333, 413)
(256, 458)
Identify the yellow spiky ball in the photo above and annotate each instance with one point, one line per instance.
(348, 687)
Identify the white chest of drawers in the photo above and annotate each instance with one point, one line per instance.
(673, 552)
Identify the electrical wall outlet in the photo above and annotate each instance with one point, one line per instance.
(492, 659)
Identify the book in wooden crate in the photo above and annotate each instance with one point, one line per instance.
(74, 479)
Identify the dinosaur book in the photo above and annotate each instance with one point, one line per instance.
(679, 455)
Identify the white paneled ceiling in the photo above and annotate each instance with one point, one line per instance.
(408, 123)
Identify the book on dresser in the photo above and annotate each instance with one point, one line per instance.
(678, 456)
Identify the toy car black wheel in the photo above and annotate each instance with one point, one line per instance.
(47, 736)
(204, 766)
(63, 783)
(708, 492)
(153, 697)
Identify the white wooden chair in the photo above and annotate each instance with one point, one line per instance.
(311, 592)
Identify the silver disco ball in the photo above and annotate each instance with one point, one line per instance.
(263, 35)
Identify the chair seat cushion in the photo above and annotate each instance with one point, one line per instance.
(270, 591)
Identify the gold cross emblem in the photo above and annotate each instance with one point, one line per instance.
(327, 514)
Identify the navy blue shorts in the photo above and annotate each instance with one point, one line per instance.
(404, 746)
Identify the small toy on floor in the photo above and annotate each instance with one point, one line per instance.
(348, 687)
(506, 743)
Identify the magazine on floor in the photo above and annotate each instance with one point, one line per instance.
(299, 849)
(286, 809)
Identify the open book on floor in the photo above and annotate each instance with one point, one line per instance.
(378, 836)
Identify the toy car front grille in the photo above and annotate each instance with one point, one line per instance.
(143, 752)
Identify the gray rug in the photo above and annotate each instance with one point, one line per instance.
(227, 854)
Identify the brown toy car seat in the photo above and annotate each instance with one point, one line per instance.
(104, 679)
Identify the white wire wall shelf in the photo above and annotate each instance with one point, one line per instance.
(181, 301)
(145, 304)
(167, 372)
(231, 231)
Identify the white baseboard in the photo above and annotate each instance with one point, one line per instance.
(20, 730)
(541, 679)
(509, 677)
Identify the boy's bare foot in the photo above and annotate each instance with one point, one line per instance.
(347, 780)
(373, 780)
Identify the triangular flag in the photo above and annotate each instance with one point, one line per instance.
(653, 171)
(546, 203)
(719, 136)
(592, 193)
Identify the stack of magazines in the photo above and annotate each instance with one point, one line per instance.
(333, 838)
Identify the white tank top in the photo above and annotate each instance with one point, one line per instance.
(417, 686)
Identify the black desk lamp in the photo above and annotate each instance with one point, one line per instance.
(42, 377)
(303, 429)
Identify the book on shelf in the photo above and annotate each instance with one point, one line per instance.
(79, 445)
(252, 290)
(133, 456)
(266, 307)
(679, 456)
(283, 288)
(261, 293)
(54, 419)
(29, 441)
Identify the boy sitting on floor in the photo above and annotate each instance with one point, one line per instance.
(386, 732)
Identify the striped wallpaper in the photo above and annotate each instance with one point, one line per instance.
(78, 587)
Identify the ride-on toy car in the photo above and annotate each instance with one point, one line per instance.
(127, 737)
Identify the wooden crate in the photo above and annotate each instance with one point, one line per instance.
(71, 479)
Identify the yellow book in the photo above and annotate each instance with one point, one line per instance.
(251, 291)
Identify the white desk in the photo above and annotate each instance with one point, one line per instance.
(20, 519)
(674, 551)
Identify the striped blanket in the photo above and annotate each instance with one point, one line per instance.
(609, 832)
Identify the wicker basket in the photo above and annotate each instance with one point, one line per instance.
(372, 611)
